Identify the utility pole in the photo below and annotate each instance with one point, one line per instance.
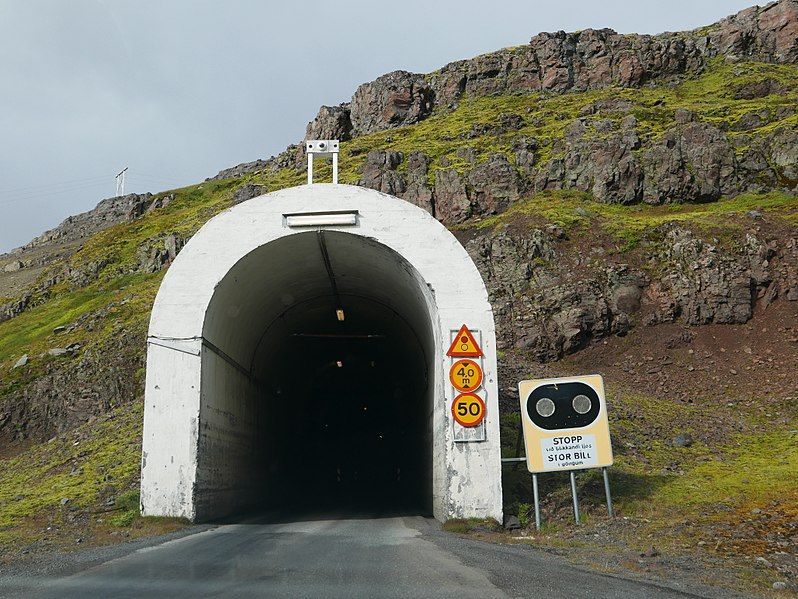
(120, 182)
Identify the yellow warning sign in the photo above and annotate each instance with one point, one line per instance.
(464, 345)
(565, 423)
(468, 409)
(465, 375)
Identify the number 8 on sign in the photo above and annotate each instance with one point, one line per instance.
(468, 409)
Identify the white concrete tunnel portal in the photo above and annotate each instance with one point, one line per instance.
(305, 365)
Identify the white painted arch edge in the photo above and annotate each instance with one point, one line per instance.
(470, 473)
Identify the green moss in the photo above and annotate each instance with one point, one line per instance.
(467, 525)
(571, 209)
(754, 469)
(75, 467)
(127, 505)
(127, 301)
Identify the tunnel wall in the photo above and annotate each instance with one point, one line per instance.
(227, 471)
(179, 423)
(171, 425)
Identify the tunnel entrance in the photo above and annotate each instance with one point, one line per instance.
(325, 339)
(297, 356)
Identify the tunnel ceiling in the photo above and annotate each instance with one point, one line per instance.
(290, 285)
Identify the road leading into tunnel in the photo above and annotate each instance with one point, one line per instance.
(347, 557)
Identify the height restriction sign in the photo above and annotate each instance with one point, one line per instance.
(465, 375)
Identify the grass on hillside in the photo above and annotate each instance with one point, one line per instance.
(715, 495)
(711, 96)
(572, 209)
(109, 308)
(47, 482)
(82, 484)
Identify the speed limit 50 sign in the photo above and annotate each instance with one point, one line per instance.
(468, 409)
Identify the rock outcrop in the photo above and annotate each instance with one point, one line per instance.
(108, 212)
(550, 300)
(332, 122)
(602, 152)
(579, 61)
(392, 100)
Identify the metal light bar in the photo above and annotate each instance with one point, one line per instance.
(341, 218)
(338, 336)
(322, 147)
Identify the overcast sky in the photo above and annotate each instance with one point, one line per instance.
(178, 90)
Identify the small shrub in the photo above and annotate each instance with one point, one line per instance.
(524, 510)
(128, 505)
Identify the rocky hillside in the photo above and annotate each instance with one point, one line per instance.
(630, 201)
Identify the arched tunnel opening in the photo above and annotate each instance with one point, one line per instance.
(317, 382)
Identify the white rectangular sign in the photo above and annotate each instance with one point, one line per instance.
(573, 451)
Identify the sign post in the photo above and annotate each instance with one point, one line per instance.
(565, 427)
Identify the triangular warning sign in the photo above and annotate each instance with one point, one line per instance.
(464, 345)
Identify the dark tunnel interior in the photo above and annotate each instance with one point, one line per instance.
(317, 383)
(353, 395)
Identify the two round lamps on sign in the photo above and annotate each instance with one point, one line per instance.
(581, 405)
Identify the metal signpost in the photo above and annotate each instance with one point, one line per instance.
(322, 147)
(565, 427)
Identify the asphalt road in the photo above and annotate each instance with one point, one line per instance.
(348, 557)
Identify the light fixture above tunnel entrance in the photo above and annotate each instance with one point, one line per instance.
(334, 218)
(248, 406)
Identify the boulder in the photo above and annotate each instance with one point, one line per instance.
(247, 192)
(691, 163)
(418, 191)
(765, 34)
(758, 89)
(392, 100)
(161, 202)
(452, 203)
(704, 285)
(495, 185)
(13, 266)
(783, 151)
(512, 523)
(525, 151)
(379, 172)
(599, 159)
(332, 122)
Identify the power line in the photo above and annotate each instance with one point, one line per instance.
(49, 185)
(153, 177)
(45, 190)
(53, 192)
